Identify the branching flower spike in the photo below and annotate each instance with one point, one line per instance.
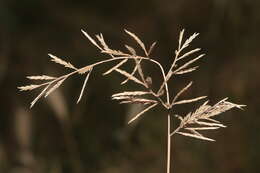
(190, 125)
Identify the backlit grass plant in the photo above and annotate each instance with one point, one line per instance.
(190, 125)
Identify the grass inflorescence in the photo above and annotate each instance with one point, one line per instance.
(190, 125)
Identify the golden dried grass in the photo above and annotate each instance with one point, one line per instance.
(190, 125)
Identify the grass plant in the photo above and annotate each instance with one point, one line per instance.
(190, 125)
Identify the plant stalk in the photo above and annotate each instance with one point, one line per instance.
(169, 144)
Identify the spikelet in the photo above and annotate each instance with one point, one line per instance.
(114, 52)
(141, 44)
(189, 40)
(181, 92)
(62, 62)
(137, 67)
(210, 124)
(85, 69)
(102, 41)
(189, 70)
(189, 100)
(180, 38)
(131, 50)
(28, 87)
(188, 53)
(130, 77)
(131, 93)
(83, 86)
(115, 67)
(202, 128)
(141, 113)
(42, 77)
(39, 96)
(138, 101)
(188, 63)
(91, 39)
(151, 48)
(193, 135)
(54, 87)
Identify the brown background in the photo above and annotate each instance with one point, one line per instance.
(58, 135)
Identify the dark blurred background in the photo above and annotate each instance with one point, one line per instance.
(60, 136)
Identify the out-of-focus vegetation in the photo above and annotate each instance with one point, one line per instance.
(59, 136)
